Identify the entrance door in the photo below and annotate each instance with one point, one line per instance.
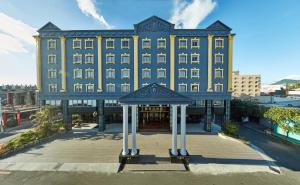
(154, 117)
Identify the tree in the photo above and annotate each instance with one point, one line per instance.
(287, 118)
(43, 122)
(241, 109)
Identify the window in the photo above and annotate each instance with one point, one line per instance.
(76, 43)
(89, 87)
(110, 58)
(89, 73)
(200, 103)
(182, 43)
(146, 58)
(218, 103)
(110, 88)
(51, 59)
(195, 73)
(125, 43)
(51, 73)
(77, 87)
(182, 58)
(161, 43)
(52, 88)
(219, 58)
(125, 88)
(89, 58)
(195, 43)
(110, 43)
(195, 58)
(146, 43)
(182, 87)
(89, 43)
(218, 73)
(146, 73)
(77, 73)
(51, 44)
(218, 87)
(77, 58)
(125, 73)
(182, 73)
(161, 58)
(219, 42)
(195, 87)
(110, 73)
(125, 58)
(161, 73)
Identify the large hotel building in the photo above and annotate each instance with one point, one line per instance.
(88, 72)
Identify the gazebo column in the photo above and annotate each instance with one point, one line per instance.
(133, 129)
(125, 130)
(174, 130)
(183, 129)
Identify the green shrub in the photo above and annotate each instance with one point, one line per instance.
(232, 128)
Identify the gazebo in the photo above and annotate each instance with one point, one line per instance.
(154, 94)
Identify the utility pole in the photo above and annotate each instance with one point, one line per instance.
(1, 120)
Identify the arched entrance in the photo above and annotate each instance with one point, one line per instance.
(153, 95)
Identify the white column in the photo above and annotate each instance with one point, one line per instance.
(183, 129)
(125, 130)
(174, 130)
(133, 129)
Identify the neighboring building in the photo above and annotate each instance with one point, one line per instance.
(89, 70)
(18, 95)
(269, 88)
(295, 92)
(245, 85)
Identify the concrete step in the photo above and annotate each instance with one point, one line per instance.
(153, 167)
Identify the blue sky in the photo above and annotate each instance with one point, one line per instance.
(267, 40)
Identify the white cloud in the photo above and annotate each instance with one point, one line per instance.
(88, 8)
(189, 14)
(15, 35)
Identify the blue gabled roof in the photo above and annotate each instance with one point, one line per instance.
(154, 94)
(49, 27)
(218, 26)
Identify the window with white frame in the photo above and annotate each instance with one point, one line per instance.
(195, 73)
(51, 44)
(182, 73)
(218, 87)
(182, 43)
(146, 73)
(195, 87)
(218, 58)
(161, 73)
(76, 43)
(161, 43)
(110, 88)
(89, 73)
(52, 88)
(89, 87)
(125, 58)
(110, 43)
(110, 58)
(195, 58)
(77, 73)
(77, 58)
(195, 43)
(125, 88)
(125, 43)
(218, 73)
(219, 42)
(146, 58)
(146, 43)
(89, 58)
(182, 87)
(89, 43)
(110, 73)
(182, 58)
(51, 59)
(77, 87)
(161, 58)
(52, 73)
(125, 73)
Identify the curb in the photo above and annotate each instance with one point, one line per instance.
(272, 166)
(29, 145)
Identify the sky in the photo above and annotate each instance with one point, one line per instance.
(267, 38)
